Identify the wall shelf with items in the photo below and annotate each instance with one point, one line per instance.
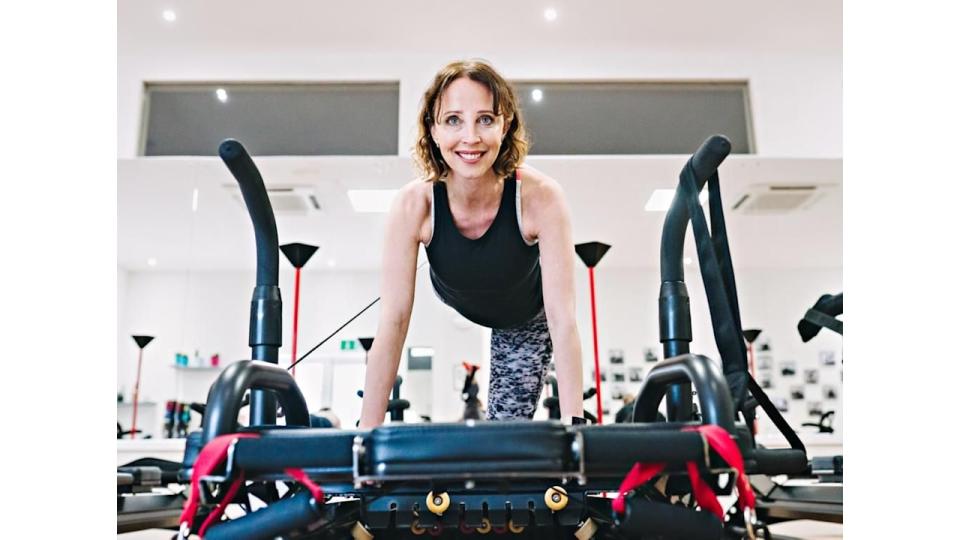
(196, 368)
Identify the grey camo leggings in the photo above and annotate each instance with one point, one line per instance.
(518, 365)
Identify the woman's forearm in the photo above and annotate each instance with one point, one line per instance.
(382, 365)
(567, 357)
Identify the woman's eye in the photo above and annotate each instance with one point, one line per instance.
(486, 120)
(453, 120)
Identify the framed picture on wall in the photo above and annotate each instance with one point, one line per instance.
(814, 408)
(616, 356)
(828, 358)
(788, 368)
(635, 374)
(781, 404)
(829, 392)
(811, 376)
(649, 355)
(764, 362)
(796, 392)
(766, 381)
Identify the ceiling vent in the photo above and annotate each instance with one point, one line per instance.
(285, 200)
(778, 199)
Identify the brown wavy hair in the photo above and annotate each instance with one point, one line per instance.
(515, 143)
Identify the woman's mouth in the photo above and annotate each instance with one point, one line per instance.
(470, 157)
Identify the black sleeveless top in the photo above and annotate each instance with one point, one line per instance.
(494, 280)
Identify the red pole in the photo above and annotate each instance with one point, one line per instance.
(596, 351)
(136, 397)
(296, 313)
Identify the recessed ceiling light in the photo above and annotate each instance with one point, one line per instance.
(660, 200)
(687, 260)
(550, 14)
(371, 200)
(222, 95)
(169, 15)
(537, 94)
(196, 198)
(151, 262)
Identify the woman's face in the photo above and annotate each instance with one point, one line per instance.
(467, 130)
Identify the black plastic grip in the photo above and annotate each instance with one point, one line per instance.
(704, 162)
(268, 523)
(258, 205)
(715, 403)
(226, 396)
(644, 518)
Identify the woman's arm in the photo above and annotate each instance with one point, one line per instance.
(550, 223)
(397, 283)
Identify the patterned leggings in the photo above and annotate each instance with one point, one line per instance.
(518, 365)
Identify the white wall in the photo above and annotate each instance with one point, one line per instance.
(207, 311)
(795, 97)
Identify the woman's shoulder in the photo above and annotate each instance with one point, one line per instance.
(416, 194)
(537, 186)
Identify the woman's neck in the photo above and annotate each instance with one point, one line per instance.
(480, 192)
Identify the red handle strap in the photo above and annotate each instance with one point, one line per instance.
(210, 458)
(723, 444)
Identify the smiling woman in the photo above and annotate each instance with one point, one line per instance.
(500, 250)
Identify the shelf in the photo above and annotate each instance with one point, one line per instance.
(196, 368)
(141, 404)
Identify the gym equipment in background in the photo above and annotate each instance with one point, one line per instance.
(823, 314)
(591, 253)
(552, 403)
(142, 341)
(471, 403)
(298, 255)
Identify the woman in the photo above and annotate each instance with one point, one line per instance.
(497, 235)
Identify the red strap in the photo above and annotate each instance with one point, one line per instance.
(212, 455)
(300, 476)
(640, 474)
(704, 496)
(723, 444)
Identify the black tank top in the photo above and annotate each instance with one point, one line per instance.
(494, 280)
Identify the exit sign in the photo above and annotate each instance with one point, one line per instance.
(348, 344)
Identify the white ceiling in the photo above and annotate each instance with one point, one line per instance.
(606, 196)
(427, 25)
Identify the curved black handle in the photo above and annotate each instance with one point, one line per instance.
(237, 159)
(715, 402)
(704, 162)
(226, 396)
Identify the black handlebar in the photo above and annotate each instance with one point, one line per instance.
(704, 162)
(715, 403)
(258, 206)
(226, 396)
(266, 307)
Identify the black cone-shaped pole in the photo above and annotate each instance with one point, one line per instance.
(298, 255)
(142, 341)
(366, 343)
(591, 253)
